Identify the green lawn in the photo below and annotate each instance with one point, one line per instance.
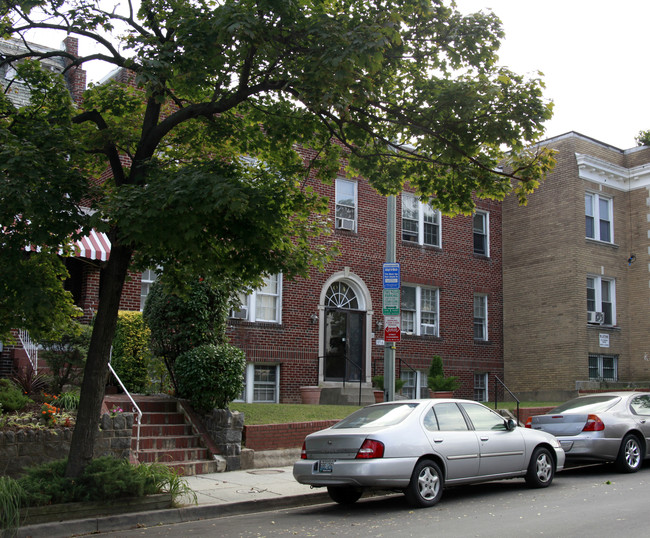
(283, 413)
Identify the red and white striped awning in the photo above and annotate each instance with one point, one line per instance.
(94, 246)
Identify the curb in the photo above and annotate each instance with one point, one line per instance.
(167, 516)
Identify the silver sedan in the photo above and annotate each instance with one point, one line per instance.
(610, 426)
(421, 446)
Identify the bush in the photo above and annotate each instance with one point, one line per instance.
(11, 397)
(182, 321)
(69, 400)
(437, 380)
(130, 357)
(211, 376)
(66, 355)
(29, 381)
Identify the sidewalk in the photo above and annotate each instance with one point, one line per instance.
(218, 495)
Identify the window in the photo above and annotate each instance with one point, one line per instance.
(481, 231)
(450, 417)
(261, 383)
(598, 217)
(264, 304)
(420, 222)
(346, 205)
(601, 300)
(415, 384)
(603, 367)
(480, 317)
(484, 419)
(481, 387)
(419, 308)
(146, 280)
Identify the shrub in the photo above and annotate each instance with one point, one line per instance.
(69, 400)
(11, 397)
(211, 376)
(437, 380)
(12, 497)
(29, 381)
(378, 381)
(66, 355)
(182, 321)
(130, 357)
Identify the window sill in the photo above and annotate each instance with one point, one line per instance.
(345, 232)
(482, 342)
(481, 256)
(413, 244)
(603, 243)
(603, 327)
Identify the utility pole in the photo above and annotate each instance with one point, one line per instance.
(389, 347)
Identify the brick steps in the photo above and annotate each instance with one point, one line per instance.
(165, 435)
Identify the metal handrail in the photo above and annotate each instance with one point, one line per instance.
(135, 405)
(509, 392)
(31, 348)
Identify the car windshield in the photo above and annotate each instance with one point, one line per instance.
(587, 404)
(376, 416)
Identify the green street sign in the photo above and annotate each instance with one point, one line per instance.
(391, 303)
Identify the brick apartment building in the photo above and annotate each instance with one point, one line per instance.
(327, 329)
(576, 290)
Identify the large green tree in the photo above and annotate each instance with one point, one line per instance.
(206, 177)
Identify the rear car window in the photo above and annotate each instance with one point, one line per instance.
(375, 416)
(587, 404)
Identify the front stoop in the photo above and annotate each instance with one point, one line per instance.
(166, 436)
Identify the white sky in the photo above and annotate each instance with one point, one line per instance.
(591, 52)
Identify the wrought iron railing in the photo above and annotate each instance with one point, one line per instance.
(496, 401)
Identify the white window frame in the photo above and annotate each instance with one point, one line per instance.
(599, 359)
(424, 211)
(342, 223)
(413, 379)
(248, 310)
(597, 288)
(483, 320)
(593, 212)
(485, 233)
(147, 278)
(417, 314)
(481, 387)
(248, 393)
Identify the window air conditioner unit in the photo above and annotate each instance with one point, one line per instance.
(345, 224)
(428, 329)
(597, 318)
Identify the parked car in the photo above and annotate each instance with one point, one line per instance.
(422, 446)
(612, 426)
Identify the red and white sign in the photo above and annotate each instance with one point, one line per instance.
(392, 329)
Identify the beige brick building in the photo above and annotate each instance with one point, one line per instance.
(576, 274)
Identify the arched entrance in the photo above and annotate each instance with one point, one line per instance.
(344, 332)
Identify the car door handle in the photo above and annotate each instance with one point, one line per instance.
(437, 440)
(485, 438)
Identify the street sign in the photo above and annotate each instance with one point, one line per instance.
(391, 303)
(392, 331)
(391, 276)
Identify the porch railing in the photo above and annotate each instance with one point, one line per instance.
(31, 348)
(138, 418)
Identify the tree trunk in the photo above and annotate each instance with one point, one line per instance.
(111, 282)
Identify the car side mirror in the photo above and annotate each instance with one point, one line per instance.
(510, 425)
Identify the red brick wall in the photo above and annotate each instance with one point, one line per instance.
(454, 268)
(276, 436)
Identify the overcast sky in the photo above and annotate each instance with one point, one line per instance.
(593, 56)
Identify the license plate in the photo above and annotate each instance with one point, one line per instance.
(325, 466)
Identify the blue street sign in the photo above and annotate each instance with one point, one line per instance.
(391, 276)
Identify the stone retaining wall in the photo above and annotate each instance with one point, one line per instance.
(30, 447)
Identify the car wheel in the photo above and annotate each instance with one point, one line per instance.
(629, 457)
(344, 494)
(425, 487)
(540, 469)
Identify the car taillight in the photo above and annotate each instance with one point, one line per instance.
(303, 452)
(371, 449)
(594, 424)
(529, 422)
